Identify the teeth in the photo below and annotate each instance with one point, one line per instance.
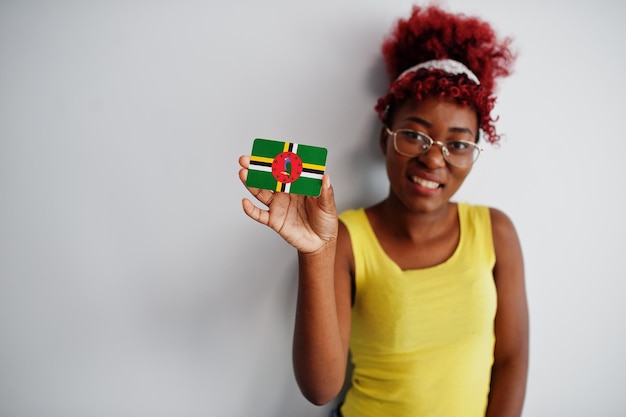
(425, 183)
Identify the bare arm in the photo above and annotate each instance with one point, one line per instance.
(320, 348)
(508, 376)
(322, 325)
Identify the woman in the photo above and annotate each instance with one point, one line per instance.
(426, 294)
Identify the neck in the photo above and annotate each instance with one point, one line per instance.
(404, 222)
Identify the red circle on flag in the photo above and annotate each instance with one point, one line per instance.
(286, 167)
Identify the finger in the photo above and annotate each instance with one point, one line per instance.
(244, 161)
(326, 182)
(243, 175)
(254, 212)
(263, 195)
(326, 199)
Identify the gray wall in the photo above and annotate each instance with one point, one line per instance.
(131, 282)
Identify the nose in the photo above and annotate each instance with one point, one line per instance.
(433, 158)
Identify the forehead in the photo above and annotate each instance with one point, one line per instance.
(437, 111)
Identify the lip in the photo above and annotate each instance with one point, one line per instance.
(425, 189)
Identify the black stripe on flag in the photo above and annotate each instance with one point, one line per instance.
(262, 164)
(313, 171)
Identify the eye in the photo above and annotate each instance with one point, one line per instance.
(459, 146)
(410, 135)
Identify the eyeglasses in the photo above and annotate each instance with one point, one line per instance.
(460, 153)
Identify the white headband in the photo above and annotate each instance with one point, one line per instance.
(446, 65)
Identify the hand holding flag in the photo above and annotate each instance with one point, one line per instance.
(307, 223)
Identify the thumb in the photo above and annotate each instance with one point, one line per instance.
(326, 200)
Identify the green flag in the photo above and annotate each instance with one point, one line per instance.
(287, 167)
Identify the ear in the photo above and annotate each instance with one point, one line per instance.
(384, 138)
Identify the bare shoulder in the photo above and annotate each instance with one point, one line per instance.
(502, 227)
(509, 259)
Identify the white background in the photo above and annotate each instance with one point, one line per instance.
(131, 282)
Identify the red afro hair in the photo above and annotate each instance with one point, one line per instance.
(432, 33)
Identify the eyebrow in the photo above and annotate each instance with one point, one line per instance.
(429, 125)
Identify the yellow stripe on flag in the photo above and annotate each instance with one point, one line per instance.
(279, 184)
(261, 159)
(313, 166)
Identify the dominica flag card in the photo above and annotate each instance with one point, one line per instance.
(287, 167)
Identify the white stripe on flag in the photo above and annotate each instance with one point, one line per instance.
(311, 175)
(263, 168)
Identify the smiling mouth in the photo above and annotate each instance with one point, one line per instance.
(425, 183)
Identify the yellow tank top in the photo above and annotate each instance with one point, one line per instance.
(422, 340)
